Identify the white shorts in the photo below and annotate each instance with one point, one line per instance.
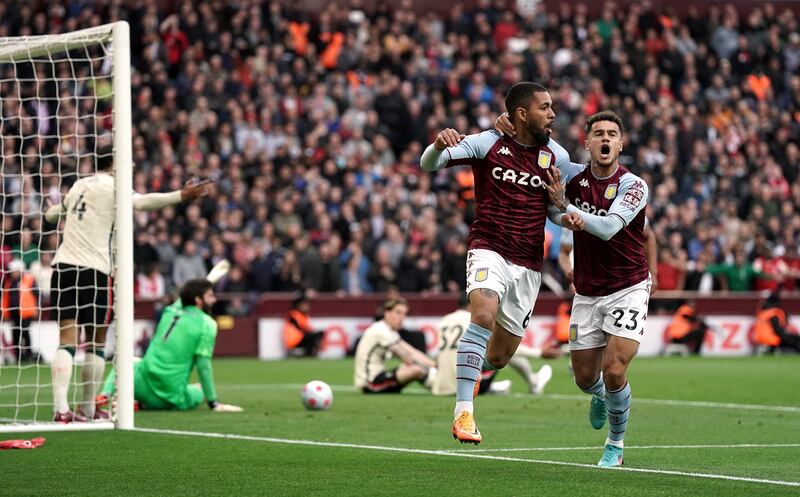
(622, 314)
(516, 285)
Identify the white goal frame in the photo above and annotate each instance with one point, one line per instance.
(118, 35)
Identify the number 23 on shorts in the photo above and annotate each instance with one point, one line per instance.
(628, 319)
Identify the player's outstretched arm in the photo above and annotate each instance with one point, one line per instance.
(206, 374)
(153, 201)
(432, 158)
(451, 148)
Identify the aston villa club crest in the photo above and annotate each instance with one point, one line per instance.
(611, 191)
(481, 274)
(573, 332)
(544, 159)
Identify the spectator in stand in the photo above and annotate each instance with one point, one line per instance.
(311, 125)
(150, 284)
(739, 275)
(189, 265)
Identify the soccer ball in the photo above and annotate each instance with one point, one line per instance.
(317, 395)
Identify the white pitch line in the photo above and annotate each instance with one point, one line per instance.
(462, 454)
(552, 396)
(629, 447)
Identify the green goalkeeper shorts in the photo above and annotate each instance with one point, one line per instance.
(148, 399)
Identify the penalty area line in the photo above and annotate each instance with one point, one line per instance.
(466, 455)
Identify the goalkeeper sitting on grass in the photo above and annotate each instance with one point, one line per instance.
(184, 339)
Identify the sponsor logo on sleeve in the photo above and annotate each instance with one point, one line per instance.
(573, 332)
(611, 191)
(544, 159)
(634, 196)
(481, 274)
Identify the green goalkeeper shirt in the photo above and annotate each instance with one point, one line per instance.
(184, 335)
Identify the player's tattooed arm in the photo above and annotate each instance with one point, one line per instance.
(489, 294)
(556, 190)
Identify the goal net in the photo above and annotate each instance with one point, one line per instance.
(64, 100)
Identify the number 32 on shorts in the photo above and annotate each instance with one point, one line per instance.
(629, 319)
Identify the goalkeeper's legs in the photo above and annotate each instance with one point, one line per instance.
(194, 397)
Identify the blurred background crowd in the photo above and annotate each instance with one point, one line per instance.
(311, 128)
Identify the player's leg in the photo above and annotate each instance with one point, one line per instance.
(513, 317)
(385, 382)
(94, 366)
(487, 278)
(587, 344)
(61, 368)
(624, 325)
(64, 296)
(536, 380)
(96, 288)
(193, 398)
(406, 373)
(619, 353)
(470, 360)
(144, 395)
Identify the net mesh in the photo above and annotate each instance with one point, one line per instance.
(55, 113)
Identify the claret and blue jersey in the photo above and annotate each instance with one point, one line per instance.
(511, 201)
(602, 266)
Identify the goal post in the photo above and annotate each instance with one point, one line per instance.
(60, 96)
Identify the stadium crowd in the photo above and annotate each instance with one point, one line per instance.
(311, 128)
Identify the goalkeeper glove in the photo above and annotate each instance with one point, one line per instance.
(220, 407)
(219, 270)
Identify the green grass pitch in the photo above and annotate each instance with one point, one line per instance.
(273, 454)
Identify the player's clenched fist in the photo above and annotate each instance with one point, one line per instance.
(447, 138)
(573, 221)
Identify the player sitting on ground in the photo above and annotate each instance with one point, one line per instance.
(81, 285)
(184, 340)
(379, 342)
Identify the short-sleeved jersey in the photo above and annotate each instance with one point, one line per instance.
(89, 225)
(510, 198)
(604, 267)
(450, 330)
(373, 352)
(183, 333)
